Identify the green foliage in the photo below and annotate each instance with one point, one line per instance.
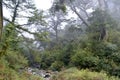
(67, 52)
(3, 64)
(113, 36)
(75, 74)
(28, 76)
(63, 8)
(48, 57)
(59, 7)
(12, 60)
(84, 59)
(101, 23)
(16, 60)
(37, 18)
(104, 49)
(57, 66)
(8, 73)
(9, 68)
(36, 56)
(97, 49)
(11, 48)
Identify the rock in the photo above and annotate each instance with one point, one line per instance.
(47, 76)
(43, 73)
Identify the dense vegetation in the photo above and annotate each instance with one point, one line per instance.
(94, 51)
(75, 74)
(57, 41)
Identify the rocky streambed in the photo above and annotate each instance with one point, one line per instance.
(46, 74)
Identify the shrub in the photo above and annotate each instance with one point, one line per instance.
(75, 74)
(84, 59)
(16, 60)
(57, 65)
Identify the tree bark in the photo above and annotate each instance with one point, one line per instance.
(1, 19)
(15, 12)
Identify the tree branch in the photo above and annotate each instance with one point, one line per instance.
(19, 26)
(75, 11)
(15, 11)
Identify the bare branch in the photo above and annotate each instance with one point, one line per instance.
(74, 9)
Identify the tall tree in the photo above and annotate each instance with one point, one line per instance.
(1, 18)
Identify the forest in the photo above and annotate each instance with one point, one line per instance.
(72, 40)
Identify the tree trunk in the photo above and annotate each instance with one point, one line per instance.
(103, 33)
(15, 12)
(1, 19)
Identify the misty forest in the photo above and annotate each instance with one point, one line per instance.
(72, 40)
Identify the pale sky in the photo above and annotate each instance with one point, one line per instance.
(43, 4)
(40, 4)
